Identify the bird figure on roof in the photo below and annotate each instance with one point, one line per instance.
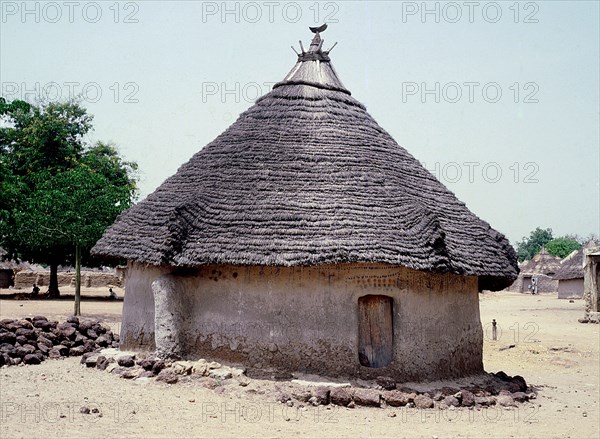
(316, 30)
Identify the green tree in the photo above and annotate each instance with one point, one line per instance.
(57, 194)
(530, 246)
(563, 246)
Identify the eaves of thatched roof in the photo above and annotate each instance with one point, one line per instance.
(306, 176)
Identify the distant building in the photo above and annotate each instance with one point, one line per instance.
(570, 276)
(8, 270)
(543, 267)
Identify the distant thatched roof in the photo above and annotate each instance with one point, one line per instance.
(571, 267)
(542, 263)
(306, 176)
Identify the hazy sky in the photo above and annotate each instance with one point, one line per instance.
(499, 99)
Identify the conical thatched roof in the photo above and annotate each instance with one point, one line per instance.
(306, 176)
(542, 263)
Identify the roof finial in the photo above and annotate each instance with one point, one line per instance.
(315, 44)
(315, 51)
(316, 30)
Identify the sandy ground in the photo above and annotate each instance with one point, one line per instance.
(555, 354)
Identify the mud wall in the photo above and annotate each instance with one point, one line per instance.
(137, 327)
(306, 318)
(570, 289)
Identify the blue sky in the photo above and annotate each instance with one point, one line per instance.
(499, 99)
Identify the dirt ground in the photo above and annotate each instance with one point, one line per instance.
(555, 354)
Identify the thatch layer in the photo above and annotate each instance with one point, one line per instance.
(572, 266)
(304, 177)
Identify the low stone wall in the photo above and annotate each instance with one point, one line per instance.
(25, 279)
(90, 279)
(97, 280)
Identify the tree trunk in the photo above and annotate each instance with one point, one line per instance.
(53, 291)
(77, 310)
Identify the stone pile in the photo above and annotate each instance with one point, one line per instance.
(128, 366)
(500, 389)
(32, 340)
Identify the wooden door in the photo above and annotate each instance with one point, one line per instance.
(375, 331)
(525, 284)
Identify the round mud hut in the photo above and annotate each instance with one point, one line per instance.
(543, 267)
(304, 238)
